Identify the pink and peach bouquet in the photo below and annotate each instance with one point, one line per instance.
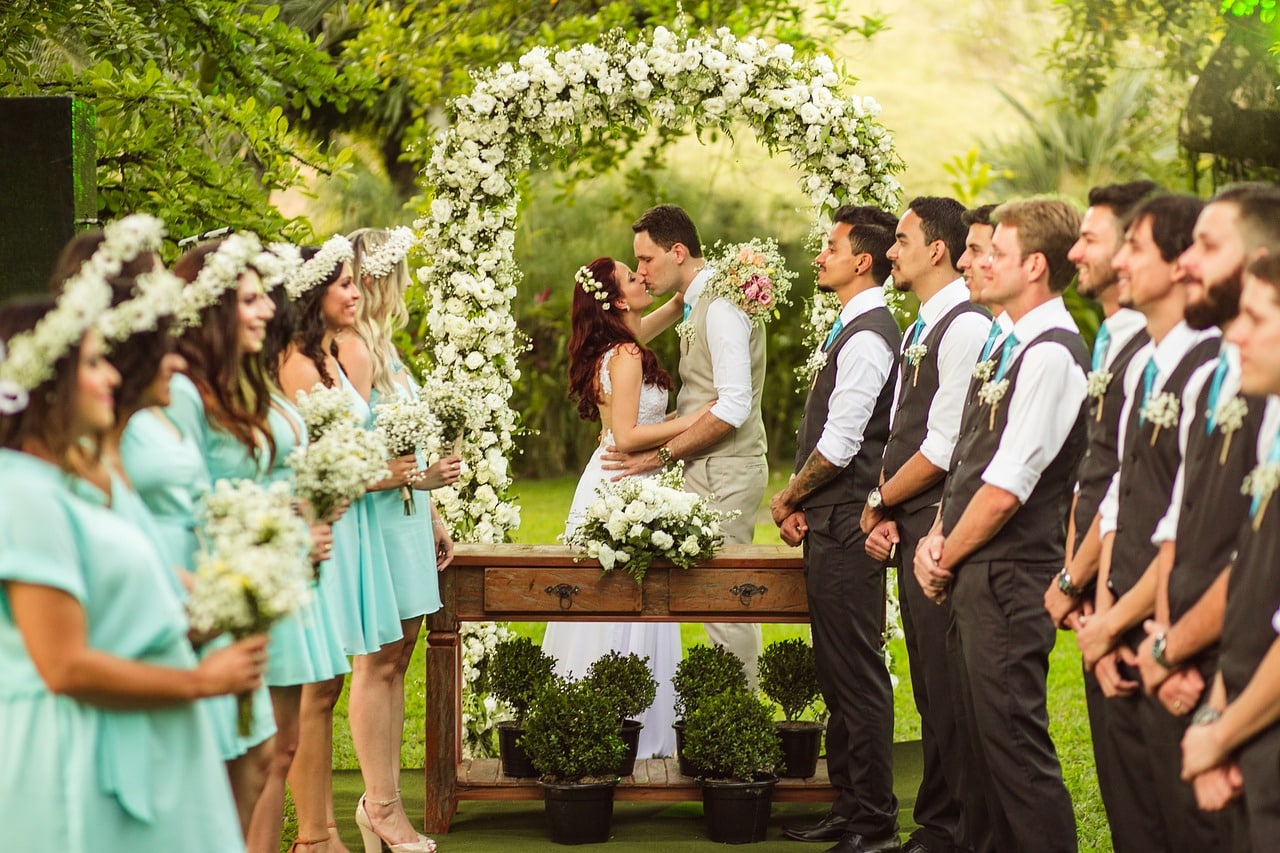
(753, 276)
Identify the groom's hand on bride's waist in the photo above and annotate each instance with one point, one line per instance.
(626, 464)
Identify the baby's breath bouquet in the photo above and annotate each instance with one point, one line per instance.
(338, 467)
(456, 408)
(751, 275)
(408, 426)
(321, 408)
(637, 520)
(252, 569)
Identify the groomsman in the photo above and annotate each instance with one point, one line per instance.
(1002, 530)
(1162, 387)
(840, 444)
(935, 363)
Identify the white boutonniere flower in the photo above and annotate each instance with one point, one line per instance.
(1099, 381)
(983, 370)
(1260, 484)
(914, 354)
(1162, 410)
(816, 361)
(1230, 417)
(991, 393)
(686, 332)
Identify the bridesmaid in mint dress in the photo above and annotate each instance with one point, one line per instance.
(105, 748)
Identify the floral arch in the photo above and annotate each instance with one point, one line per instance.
(534, 110)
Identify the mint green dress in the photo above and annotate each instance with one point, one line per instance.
(167, 471)
(409, 539)
(225, 458)
(305, 646)
(75, 777)
(359, 580)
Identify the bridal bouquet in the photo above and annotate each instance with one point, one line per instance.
(751, 275)
(408, 426)
(321, 408)
(455, 407)
(338, 467)
(252, 569)
(637, 520)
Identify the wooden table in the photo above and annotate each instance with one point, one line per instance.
(541, 583)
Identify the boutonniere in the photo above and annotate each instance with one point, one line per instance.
(983, 370)
(1260, 484)
(817, 360)
(1230, 417)
(914, 354)
(1161, 410)
(992, 393)
(685, 331)
(1099, 381)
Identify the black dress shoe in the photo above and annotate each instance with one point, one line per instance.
(854, 842)
(915, 845)
(830, 828)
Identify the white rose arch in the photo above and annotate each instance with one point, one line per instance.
(532, 112)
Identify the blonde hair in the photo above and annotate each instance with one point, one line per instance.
(381, 311)
(1047, 226)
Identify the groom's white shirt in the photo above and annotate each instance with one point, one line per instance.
(729, 339)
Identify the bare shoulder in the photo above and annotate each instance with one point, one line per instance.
(297, 373)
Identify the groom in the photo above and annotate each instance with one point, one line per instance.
(723, 360)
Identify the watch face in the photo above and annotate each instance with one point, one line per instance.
(874, 500)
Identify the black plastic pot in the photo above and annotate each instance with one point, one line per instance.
(801, 742)
(737, 812)
(579, 813)
(515, 762)
(687, 767)
(630, 740)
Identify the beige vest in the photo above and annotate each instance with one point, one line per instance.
(696, 386)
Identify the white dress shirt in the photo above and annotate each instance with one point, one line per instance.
(729, 339)
(862, 368)
(958, 352)
(1122, 325)
(1168, 353)
(1044, 404)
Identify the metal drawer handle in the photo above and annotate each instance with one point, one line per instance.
(566, 593)
(745, 591)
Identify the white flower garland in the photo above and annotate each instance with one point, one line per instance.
(156, 294)
(380, 262)
(552, 99)
(335, 252)
(221, 271)
(279, 263)
(590, 286)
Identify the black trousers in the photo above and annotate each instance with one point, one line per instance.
(1260, 764)
(925, 625)
(1188, 829)
(1004, 639)
(1104, 762)
(846, 611)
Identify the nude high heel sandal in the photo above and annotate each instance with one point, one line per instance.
(375, 843)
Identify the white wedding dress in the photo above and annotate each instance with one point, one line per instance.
(575, 645)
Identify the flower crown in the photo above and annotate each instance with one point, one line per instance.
(156, 294)
(382, 260)
(277, 264)
(335, 251)
(592, 286)
(221, 271)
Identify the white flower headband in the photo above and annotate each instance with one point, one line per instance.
(222, 269)
(156, 294)
(277, 264)
(590, 285)
(382, 260)
(335, 251)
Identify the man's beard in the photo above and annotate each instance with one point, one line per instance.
(1221, 303)
(1097, 288)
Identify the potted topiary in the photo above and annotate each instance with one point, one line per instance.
(732, 738)
(571, 736)
(516, 671)
(704, 671)
(629, 686)
(789, 676)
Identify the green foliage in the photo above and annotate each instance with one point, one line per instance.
(516, 672)
(572, 733)
(789, 676)
(706, 671)
(626, 682)
(970, 176)
(731, 736)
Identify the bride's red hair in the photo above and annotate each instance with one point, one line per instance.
(593, 332)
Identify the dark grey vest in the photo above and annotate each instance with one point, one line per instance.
(1253, 595)
(863, 472)
(911, 418)
(1102, 459)
(1037, 532)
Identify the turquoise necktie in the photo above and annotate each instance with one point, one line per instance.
(1215, 389)
(687, 309)
(917, 330)
(1148, 382)
(836, 328)
(1006, 350)
(1100, 345)
(1272, 458)
(991, 341)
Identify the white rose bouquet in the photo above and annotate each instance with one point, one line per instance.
(321, 408)
(339, 467)
(637, 520)
(252, 569)
(408, 426)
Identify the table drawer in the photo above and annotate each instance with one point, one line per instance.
(730, 592)
(554, 590)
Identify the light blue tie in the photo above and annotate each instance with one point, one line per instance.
(836, 328)
(1215, 389)
(1272, 458)
(917, 330)
(1148, 382)
(1006, 350)
(687, 308)
(991, 341)
(1100, 345)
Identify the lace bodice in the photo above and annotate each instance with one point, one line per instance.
(653, 400)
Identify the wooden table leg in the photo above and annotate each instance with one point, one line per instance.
(444, 719)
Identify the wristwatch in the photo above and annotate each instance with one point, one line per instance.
(1205, 715)
(664, 456)
(874, 499)
(1065, 585)
(1157, 650)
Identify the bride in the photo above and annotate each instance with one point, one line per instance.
(615, 378)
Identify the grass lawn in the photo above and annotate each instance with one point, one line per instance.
(545, 504)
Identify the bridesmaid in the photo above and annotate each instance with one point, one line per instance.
(104, 747)
(359, 580)
(413, 543)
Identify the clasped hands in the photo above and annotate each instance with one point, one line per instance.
(935, 581)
